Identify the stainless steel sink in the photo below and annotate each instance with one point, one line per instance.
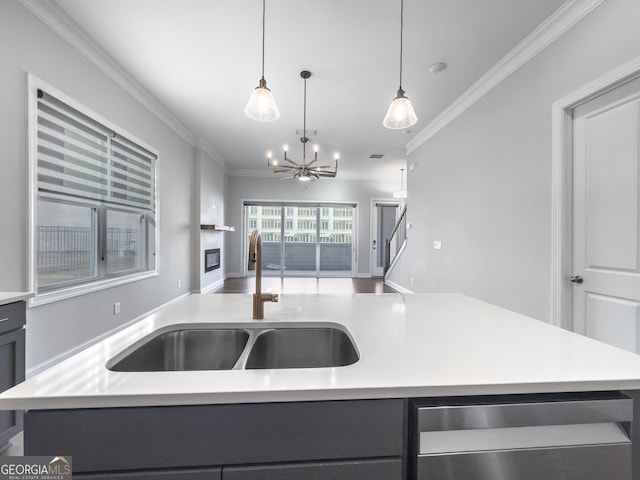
(237, 347)
(302, 348)
(186, 350)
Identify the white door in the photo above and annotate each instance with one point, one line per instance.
(383, 220)
(606, 217)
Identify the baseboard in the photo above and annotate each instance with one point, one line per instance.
(41, 367)
(397, 287)
(213, 286)
(233, 275)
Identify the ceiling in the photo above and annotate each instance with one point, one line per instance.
(201, 59)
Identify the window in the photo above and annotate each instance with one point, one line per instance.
(271, 224)
(342, 212)
(95, 200)
(342, 225)
(306, 225)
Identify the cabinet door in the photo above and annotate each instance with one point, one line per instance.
(383, 469)
(183, 474)
(11, 373)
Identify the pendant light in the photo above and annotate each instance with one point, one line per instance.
(402, 193)
(262, 106)
(400, 113)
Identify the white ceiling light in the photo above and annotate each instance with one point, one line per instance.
(262, 106)
(402, 193)
(303, 171)
(400, 114)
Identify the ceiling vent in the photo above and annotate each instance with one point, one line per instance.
(376, 155)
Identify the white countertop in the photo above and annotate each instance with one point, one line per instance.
(10, 297)
(410, 346)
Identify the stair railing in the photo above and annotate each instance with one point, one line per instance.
(396, 241)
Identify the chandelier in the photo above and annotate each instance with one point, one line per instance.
(303, 171)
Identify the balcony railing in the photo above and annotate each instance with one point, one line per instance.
(67, 251)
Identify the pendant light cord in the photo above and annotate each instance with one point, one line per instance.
(304, 124)
(263, 24)
(401, 35)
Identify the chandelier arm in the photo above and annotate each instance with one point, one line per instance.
(332, 166)
(286, 168)
(312, 162)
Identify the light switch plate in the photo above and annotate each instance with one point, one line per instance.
(437, 245)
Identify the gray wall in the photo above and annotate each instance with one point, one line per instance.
(482, 185)
(273, 188)
(27, 45)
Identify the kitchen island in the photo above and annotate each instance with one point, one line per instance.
(355, 420)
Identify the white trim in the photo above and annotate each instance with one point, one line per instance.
(341, 176)
(206, 146)
(561, 182)
(41, 367)
(547, 32)
(58, 21)
(397, 287)
(213, 286)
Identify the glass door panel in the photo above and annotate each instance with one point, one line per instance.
(300, 239)
(267, 219)
(336, 241)
(303, 241)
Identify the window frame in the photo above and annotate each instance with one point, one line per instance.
(103, 282)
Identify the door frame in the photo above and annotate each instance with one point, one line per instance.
(374, 223)
(562, 187)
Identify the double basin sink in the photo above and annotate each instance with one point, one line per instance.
(238, 347)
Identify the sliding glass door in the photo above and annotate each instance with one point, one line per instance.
(304, 239)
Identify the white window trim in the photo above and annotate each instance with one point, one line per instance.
(33, 84)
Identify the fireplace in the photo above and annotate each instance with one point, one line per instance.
(211, 259)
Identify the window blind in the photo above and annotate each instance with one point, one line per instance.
(80, 157)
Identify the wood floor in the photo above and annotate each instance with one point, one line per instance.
(306, 285)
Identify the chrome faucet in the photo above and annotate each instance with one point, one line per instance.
(255, 263)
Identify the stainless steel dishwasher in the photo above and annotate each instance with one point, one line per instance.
(522, 437)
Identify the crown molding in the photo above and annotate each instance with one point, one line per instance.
(205, 145)
(342, 176)
(52, 15)
(546, 33)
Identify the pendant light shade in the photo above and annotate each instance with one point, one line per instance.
(262, 106)
(400, 113)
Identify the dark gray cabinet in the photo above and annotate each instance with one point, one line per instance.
(327, 439)
(183, 474)
(12, 364)
(381, 469)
